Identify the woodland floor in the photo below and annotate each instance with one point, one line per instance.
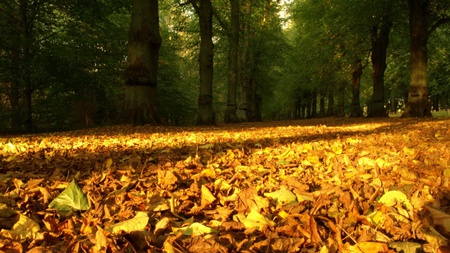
(324, 185)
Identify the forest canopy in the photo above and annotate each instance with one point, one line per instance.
(67, 66)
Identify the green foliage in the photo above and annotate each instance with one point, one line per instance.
(71, 63)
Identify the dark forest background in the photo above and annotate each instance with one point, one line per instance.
(62, 63)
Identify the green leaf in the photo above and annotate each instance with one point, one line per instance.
(135, 224)
(72, 198)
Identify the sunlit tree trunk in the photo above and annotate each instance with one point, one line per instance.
(141, 73)
(380, 43)
(356, 110)
(418, 104)
(233, 57)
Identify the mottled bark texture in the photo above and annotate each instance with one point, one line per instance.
(141, 73)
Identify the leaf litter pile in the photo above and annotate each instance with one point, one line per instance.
(329, 185)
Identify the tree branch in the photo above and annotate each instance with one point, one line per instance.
(194, 4)
(438, 23)
(220, 20)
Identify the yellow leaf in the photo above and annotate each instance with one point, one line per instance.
(366, 247)
(336, 147)
(162, 224)
(376, 218)
(382, 164)
(206, 146)
(108, 163)
(195, 229)
(307, 147)
(409, 151)
(313, 159)
(9, 159)
(207, 197)
(24, 228)
(391, 198)
(222, 185)
(282, 196)
(283, 214)
(366, 162)
(347, 161)
(139, 222)
(124, 178)
(284, 154)
(257, 220)
(101, 241)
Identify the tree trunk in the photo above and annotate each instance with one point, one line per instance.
(254, 100)
(330, 111)
(380, 43)
(15, 108)
(233, 54)
(244, 70)
(205, 113)
(314, 104)
(141, 73)
(340, 108)
(356, 111)
(418, 104)
(322, 105)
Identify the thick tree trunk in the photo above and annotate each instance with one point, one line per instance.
(205, 113)
(233, 56)
(144, 42)
(356, 111)
(418, 104)
(244, 70)
(380, 43)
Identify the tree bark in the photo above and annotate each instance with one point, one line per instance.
(330, 111)
(314, 104)
(380, 43)
(340, 107)
(141, 73)
(418, 104)
(321, 105)
(356, 111)
(244, 70)
(205, 113)
(233, 56)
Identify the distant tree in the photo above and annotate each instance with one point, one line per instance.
(233, 58)
(141, 72)
(379, 37)
(357, 70)
(205, 112)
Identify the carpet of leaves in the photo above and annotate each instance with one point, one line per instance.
(324, 185)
